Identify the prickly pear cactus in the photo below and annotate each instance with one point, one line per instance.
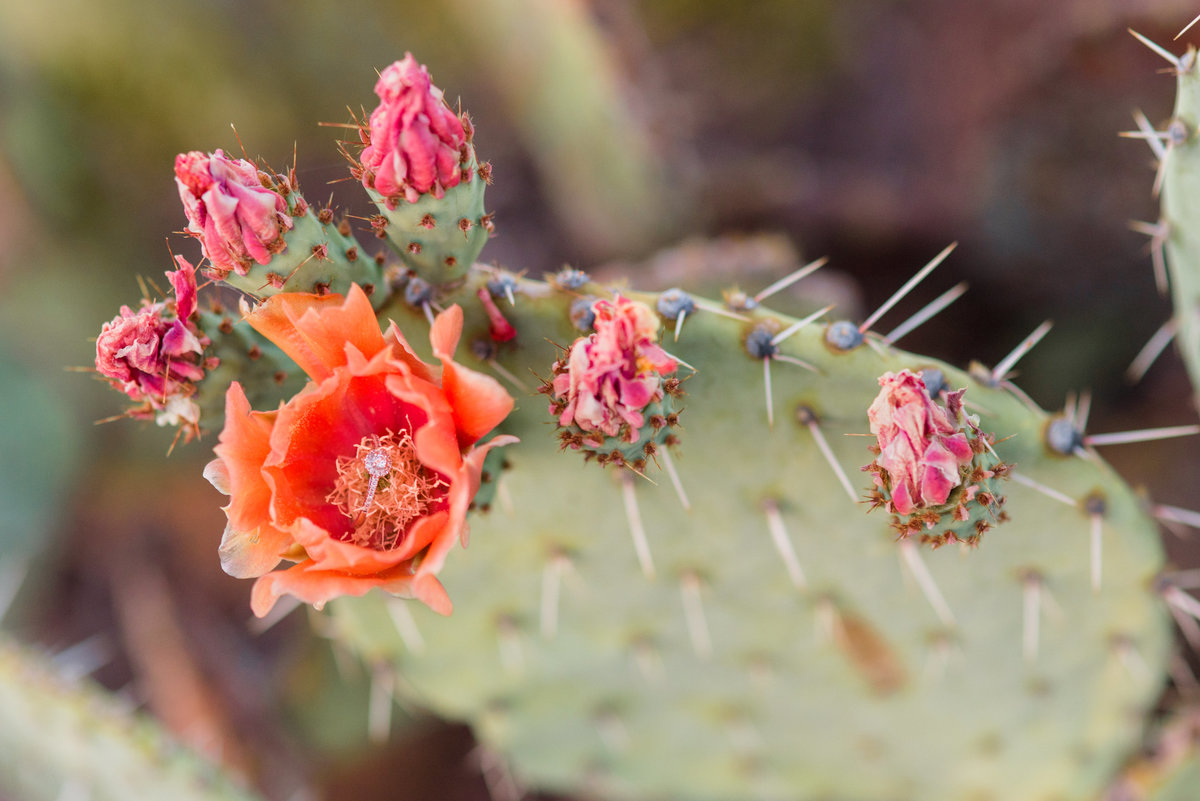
(715, 551)
(1180, 195)
(776, 641)
(65, 739)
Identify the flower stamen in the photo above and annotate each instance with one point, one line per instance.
(383, 487)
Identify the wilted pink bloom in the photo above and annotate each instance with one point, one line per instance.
(920, 446)
(415, 143)
(237, 220)
(154, 355)
(612, 375)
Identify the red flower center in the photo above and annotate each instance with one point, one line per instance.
(383, 488)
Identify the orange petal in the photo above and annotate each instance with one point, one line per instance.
(403, 353)
(314, 586)
(462, 490)
(446, 331)
(247, 554)
(479, 402)
(314, 329)
(330, 554)
(244, 445)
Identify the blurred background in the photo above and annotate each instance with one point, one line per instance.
(700, 141)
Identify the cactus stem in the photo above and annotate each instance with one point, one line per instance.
(512, 656)
(796, 326)
(783, 543)
(908, 287)
(1049, 492)
(1001, 371)
(1141, 435)
(1031, 617)
(929, 588)
(1180, 64)
(934, 307)
(1151, 351)
(1174, 514)
(791, 278)
(406, 625)
(638, 531)
(669, 465)
(1158, 233)
(693, 613)
(551, 583)
(808, 417)
(379, 706)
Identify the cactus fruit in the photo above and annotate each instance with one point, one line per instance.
(935, 466)
(246, 219)
(736, 624)
(67, 739)
(156, 355)
(418, 164)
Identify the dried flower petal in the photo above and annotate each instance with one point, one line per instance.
(415, 142)
(237, 219)
(155, 355)
(920, 448)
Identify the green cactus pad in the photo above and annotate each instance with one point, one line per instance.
(57, 735)
(786, 646)
(1180, 210)
(440, 238)
(321, 256)
(266, 374)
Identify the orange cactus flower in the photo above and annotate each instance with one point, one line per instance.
(364, 477)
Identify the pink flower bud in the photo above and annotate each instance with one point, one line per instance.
(154, 355)
(237, 220)
(612, 375)
(415, 143)
(920, 447)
